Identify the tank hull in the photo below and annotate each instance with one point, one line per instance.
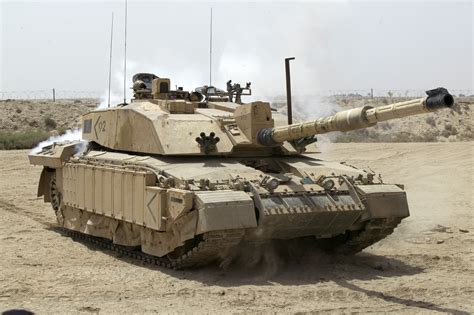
(186, 212)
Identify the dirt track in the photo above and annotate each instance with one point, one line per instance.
(425, 266)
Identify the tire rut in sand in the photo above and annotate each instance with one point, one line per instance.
(12, 208)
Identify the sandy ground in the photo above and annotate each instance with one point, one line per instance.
(426, 266)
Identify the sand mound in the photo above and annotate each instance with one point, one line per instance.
(25, 115)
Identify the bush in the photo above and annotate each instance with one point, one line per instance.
(50, 123)
(21, 140)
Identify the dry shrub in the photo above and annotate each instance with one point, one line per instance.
(21, 140)
(50, 123)
(33, 123)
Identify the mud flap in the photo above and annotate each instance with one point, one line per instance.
(75, 219)
(161, 243)
(127, 234)
(43, 185)
(100, 226)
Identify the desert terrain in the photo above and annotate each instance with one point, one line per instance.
(24, 115)
(25, 123)
(425, 266)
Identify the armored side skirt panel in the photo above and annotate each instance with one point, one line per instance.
(384, 201)
(224, 210)
(115, 193)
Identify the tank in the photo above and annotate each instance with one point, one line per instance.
(183, 179)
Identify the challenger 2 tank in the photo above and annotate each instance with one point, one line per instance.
(182, 178)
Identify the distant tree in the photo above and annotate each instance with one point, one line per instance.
(390, 94)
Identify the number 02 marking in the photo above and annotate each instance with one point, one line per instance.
(101, 126)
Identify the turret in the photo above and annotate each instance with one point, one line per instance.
(176, 122)
(356, 118)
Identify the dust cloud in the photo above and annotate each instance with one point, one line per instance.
(268, 259)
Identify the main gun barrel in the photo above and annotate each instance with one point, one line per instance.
(356, 118)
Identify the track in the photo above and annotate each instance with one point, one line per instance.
(217, 245)
(211, 247)
(374, 231)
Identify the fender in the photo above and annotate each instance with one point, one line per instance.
(43, 186)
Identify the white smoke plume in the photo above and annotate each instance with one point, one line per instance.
(69, 135)
(116, 97)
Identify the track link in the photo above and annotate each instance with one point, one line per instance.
(211, 247)
(374, 231)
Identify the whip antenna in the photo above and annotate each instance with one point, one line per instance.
(210, 52)
(110, 60)
(125, 60)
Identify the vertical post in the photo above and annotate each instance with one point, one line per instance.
(371, 93)
(288, 90)
(54, 95)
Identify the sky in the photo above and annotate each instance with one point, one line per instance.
(338, 45)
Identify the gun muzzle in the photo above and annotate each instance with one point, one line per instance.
(439, 98)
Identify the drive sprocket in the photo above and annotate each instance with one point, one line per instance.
(55, 196)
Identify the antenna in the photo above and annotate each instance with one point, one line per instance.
(110, 61)
(125, 60)
(210, 52)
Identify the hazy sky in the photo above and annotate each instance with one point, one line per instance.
(347, 45)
